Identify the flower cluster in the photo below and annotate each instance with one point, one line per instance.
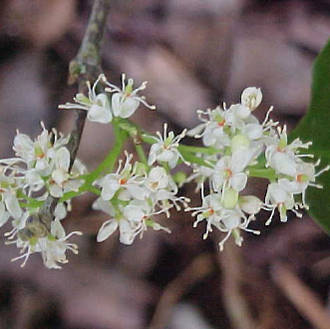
(240, 143)
(112, 102)
(132, 196)
(236, 147)
(41, 169)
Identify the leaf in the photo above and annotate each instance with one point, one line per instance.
(315, 127)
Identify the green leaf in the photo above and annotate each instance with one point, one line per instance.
(315, 127)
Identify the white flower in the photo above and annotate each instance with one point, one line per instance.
(305, 177)
(61, 180)
(131, 220)
(166, 148)
(229, 172)
(232, 221)
(251, 97)
(278, 197)
(162, 190)
(250, 204)
(97, 105)
(210, 211)
(53, 247)
(39, 152)
(125, 101)
(213, 129)
(282, 156)
(9, 202)
(124, 180)
(237, 115)
(200, 175)
(225, 220)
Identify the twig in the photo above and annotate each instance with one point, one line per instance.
(301, 296)
(86, 66)
(196, 271)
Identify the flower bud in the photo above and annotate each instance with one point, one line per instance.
(239, 142)
(250, 204)
(230, 198)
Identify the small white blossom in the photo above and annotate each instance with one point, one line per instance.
(230, 221)
(305, 177)
(278, 197)
(131, 220)
(124, 180)
(212, 130)
(125, 101)
(39, 152)
(229, 172)
(282, 156)
(251, 97)
(166, 148)
(61, 180)
(52, 246)
(97, 105)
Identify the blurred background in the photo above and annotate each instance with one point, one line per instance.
(195, 54)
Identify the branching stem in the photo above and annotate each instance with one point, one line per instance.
(85, 67)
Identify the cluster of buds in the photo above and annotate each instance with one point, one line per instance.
(236, 147)
(244, 147)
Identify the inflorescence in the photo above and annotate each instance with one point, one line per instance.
(236, 148)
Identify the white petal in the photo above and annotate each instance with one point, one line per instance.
(57, 229)
(126, 233)
(110, 186)
(253, 130)
(62, 158)
(153, 153)
(60, 211)
(105, 206)
(23, 145)
(133, 213)
(231, 221)
(196, 131)
(123, 108)
(59, 176)
(128, 107)
(238, 181)
(100, 111)
(106, 230)
(12, 205)
(55, 190)
(137, 192)
(240, 160)
(284, 164)
(73, 185)
(276, 193)
(209, 138)
(165, 156)
(242, 111)
(3, 214)
(250, 204)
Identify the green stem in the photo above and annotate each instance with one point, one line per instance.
(32, 203)
(268, 173)
(105, 166)
(191, 158)
(141, 154)
(198, 149)
(187, 151)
